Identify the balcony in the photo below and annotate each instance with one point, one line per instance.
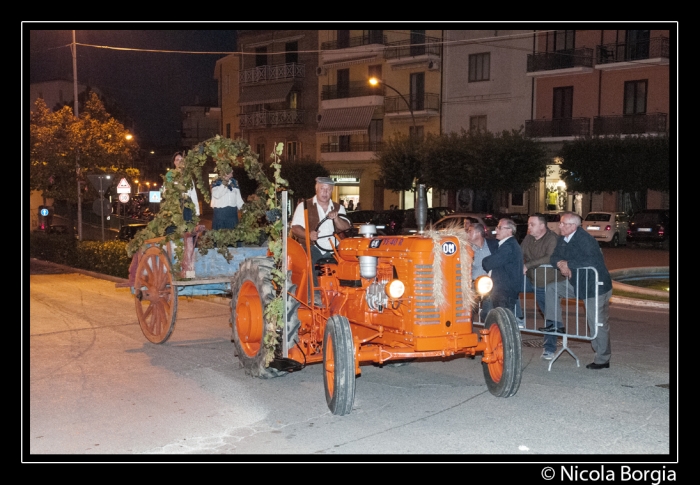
(405, 54)
(351, 147)
(272, 73)
(354, 90)
(429, 102)
(568, 127)
(265, 119)
(624, 55)
(630, 124)
(573, 60)
(359, 40)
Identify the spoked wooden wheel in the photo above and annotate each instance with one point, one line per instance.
(504, 372)
(155, 296)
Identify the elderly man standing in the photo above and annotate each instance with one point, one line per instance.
(538, 247)
(575, 250)
(320, 208)
(482, 247)
(506, 266)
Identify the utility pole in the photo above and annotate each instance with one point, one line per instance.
(77, 154)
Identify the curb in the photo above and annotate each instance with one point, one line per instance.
(621, 300)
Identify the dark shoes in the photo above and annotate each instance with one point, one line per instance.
(595, 366)
(550, 328)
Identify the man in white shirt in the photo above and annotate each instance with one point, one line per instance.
(226, 201)
(320, 209)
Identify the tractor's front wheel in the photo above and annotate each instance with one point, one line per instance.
(252, 292)
(504, 372)
(338, 365)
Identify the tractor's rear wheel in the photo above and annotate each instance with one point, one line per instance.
(252, 292)
(338, 365)
(504, 373)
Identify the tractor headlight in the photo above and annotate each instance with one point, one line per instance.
(483, 285)
(395, 289)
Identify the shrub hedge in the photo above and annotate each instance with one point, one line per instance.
(109, 257)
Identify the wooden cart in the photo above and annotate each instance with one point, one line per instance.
(156, 287)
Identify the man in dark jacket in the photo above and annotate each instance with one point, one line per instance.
(506, 266)
(576, 250)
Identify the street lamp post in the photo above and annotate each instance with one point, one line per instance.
(375, 81)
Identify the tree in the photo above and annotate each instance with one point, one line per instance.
(400, 163)
(302, 177)
(57, 140)
(608, 164)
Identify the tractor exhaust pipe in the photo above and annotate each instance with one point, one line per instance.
(421, 209)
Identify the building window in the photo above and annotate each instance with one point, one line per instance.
(343, 39)
(416, 131)
(564, 40)
(291, 54)
(260, 147)
(293, 100)
(417, 42)
(479, 67)
(635, 97)
(562, 106)
(375, 36)
(293, 151)
(260, 56)
(343, 83)
(228, 130)
(417, 93)
(637, 44)
(517, 198)
(477, 123)
(376, 133)
(344, 143)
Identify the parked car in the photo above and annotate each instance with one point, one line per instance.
(389, 222)
(650, 226)
(553, 219)
(127, 233)
(488, 220)
(607, 227)
(60, 229)
(434, 214)
(361, 217)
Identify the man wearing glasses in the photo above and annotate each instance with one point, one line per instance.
(575, 250)
(506, 266)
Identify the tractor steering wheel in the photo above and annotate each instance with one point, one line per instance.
(343, 233)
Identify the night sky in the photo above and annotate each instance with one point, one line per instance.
(150, 87)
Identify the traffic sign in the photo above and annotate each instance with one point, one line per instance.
(101, 181)
(123, 187)
(102, 207)
(123, 198)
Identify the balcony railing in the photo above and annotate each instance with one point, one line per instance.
(365, 39)
(397, 104)
(564, 59)
(559, 127)
(630, 124)
(371, 146)
(272, 72)
(406, 48)
(633, 51)
(261, 119)
(355, 89)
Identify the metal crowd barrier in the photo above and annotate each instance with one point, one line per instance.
(573, 311)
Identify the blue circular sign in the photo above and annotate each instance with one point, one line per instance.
(44, 212)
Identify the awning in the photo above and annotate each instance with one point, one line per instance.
(345, 121)
(269, 93)
(349, 62)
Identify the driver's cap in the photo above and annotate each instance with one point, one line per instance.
(325, 180)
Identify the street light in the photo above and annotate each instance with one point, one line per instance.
(375, 81)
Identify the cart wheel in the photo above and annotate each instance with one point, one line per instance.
(251, 293)
(338, 365)
(155, 296)
(503, 375)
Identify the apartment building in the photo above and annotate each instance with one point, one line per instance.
(598, 82)
(269, 92)
(355, 116)
(485, 88)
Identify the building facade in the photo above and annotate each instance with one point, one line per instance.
(598, 83)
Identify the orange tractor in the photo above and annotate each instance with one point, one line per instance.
(382, 299)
